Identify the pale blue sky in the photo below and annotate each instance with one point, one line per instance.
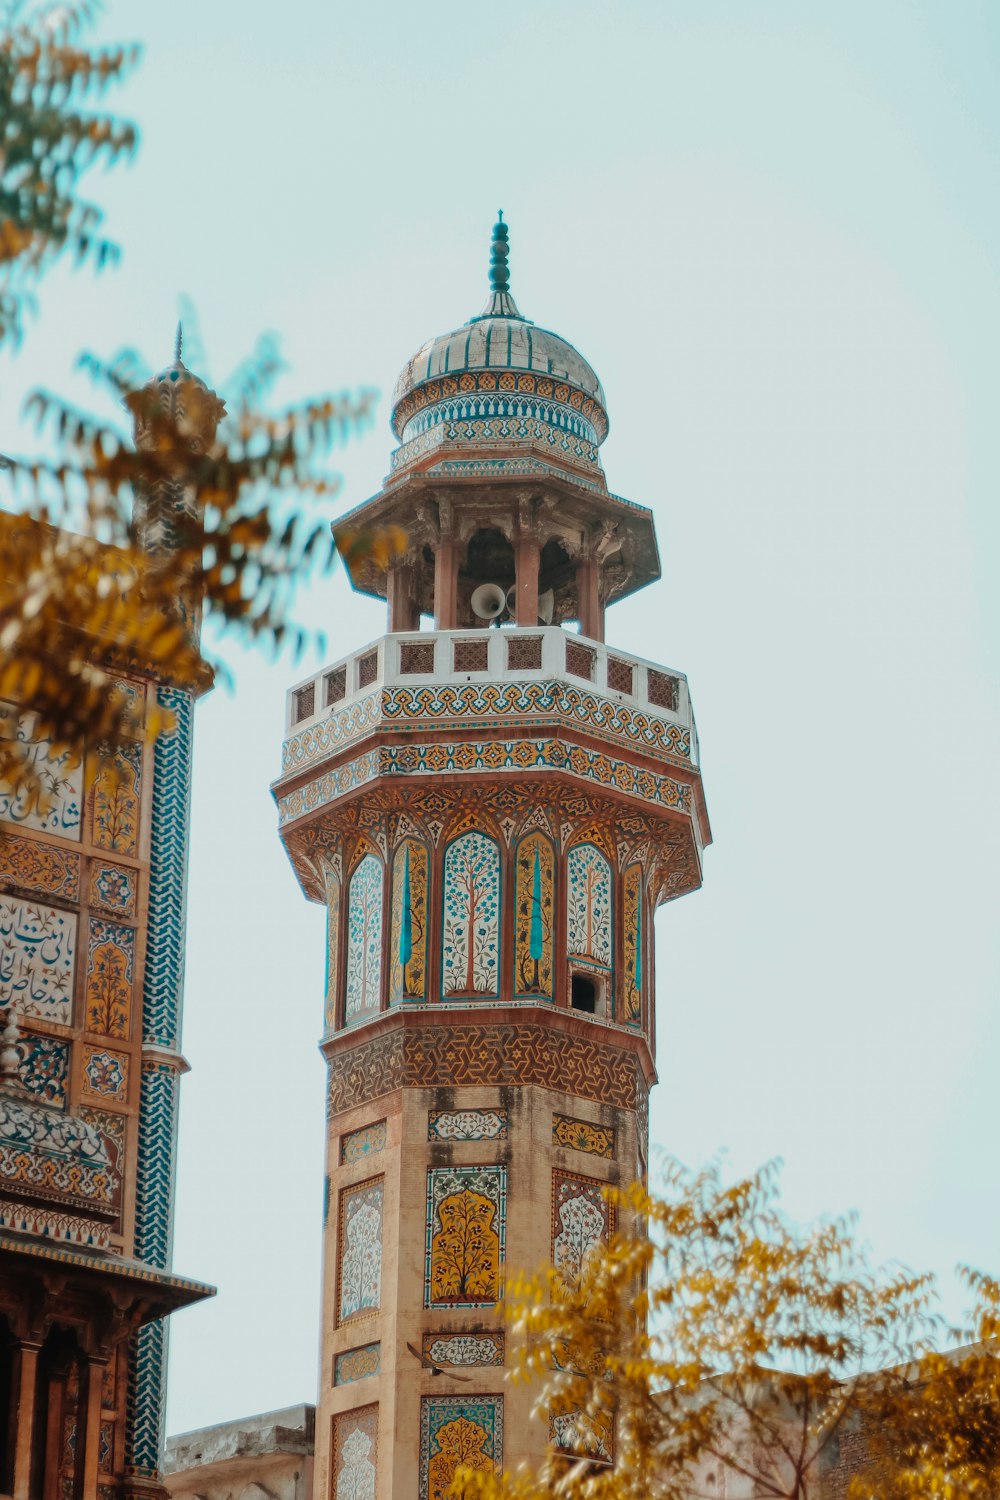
(773, 229)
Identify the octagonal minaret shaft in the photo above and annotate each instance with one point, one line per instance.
(491, 817)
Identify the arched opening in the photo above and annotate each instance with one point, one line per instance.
(6, 1410)
(583, 994)
(55, 1466)
(489, 559)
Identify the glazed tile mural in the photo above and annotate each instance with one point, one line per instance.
(113, 887)
(471, 918)
(581, 1219)
(360, 1228)
(456, 1431)
(43, 868)
(581, 1135)
(42, 1067)
(632, 922)
(359, 1144)
(364, 940)
(332, 949)
(466, 1225)
(357, 1364)
(117, 779)
(534, 911)
(37, 958)
(471, 1349)
(580, 1433)
(467, 1125)
(105, 1074)
(110, 954)
(408, 956)
(355, 1454)
(53, 801)
(588, 906)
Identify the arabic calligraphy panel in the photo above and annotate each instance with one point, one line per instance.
(54, 797)
(37, 957)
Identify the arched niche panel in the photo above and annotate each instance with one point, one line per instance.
(632, 922)
(470, 918)
(534, 918)
(408, 928)
(589, 898)
(363, 987)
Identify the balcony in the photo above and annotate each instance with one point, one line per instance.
(419, 680)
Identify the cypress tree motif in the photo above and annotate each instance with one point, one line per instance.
(406, 918)
(535, 936)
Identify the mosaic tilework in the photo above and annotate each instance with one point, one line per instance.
(37, 958)
(113, 887)
(632, 922)
(486, 382)
(51, 1153)
(108, 995)
(508, 408)
(534, 914)
(581, 1219)
(456, 1431)
(497, 1056)
(466, 1230)
(408, 953)
(524, 429)
(582, 1135)
(115, 797)
(368, 1141)
(354, 1460)
(471, 917)
(357, 1364)
(464, 1348)
(54, 802)
(153, 1242)
(42, 1067)
(495, 756)
(579, 1433)
(359, 1277)
(588, 906)
(44, 869)
(509, 703)
(364, 941)
(105, 1074)
(332, 950)
(61, 1228)
(467, 1125)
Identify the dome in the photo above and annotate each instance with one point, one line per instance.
(499, 366)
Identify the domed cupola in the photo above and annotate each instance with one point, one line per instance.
(499, 376)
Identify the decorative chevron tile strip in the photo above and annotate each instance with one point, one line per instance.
(146, 1400)
(163, 986)
(164, 977)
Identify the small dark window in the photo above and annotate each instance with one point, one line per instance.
(583, 994)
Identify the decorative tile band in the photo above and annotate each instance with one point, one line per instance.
(41, 868)
(467, 1125)
(357, 1364)
(359, 1144)
(513, 703)
(466, 1349)
(496, 1056)
(581, 1135)
(524, 382)
(67, 1229)
(494, 756)
(498, 429)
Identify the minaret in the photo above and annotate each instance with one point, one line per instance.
(491, 817)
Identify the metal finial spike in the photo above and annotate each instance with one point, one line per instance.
(178, 342)
(499, 215)
(499, 272)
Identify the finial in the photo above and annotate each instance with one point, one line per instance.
(499, 273)
(178, 342)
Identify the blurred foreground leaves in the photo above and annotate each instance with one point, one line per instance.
(716, 1348)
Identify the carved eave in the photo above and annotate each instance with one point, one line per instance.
(460, 492)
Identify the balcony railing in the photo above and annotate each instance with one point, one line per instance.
(453, 657)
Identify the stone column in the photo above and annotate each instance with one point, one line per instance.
(402, 608)
(526, 566)
(90, 1423)
(588, 588)
(26, 1388)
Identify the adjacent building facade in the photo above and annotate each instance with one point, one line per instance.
(491, 817)
(93, 879)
